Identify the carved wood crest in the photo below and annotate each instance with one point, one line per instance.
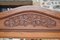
(33, 18)
(30, 20)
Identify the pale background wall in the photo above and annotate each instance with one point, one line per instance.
(36, 2)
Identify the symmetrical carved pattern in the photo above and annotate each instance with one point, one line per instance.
(30, 18)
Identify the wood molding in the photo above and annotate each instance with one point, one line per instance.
(31, 35)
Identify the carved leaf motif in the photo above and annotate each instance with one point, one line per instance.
(30, 18)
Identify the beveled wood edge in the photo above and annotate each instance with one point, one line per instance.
(34, 11)
(34, 8)
(29, 30)
(29, 34)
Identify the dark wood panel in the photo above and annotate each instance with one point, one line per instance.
(17, 3)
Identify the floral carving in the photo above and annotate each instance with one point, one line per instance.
(30, 18)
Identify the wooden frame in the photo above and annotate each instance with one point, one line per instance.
(12, 26)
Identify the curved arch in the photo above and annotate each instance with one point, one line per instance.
(30, 19)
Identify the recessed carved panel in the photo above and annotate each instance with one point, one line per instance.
(30, 18)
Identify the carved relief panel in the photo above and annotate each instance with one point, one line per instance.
(30, 20)
(27, 18)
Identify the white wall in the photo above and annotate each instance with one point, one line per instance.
(36, 2)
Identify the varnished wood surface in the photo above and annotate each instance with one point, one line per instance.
(31, 35)
(48, 17)
(30, 31)
(23, 8)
